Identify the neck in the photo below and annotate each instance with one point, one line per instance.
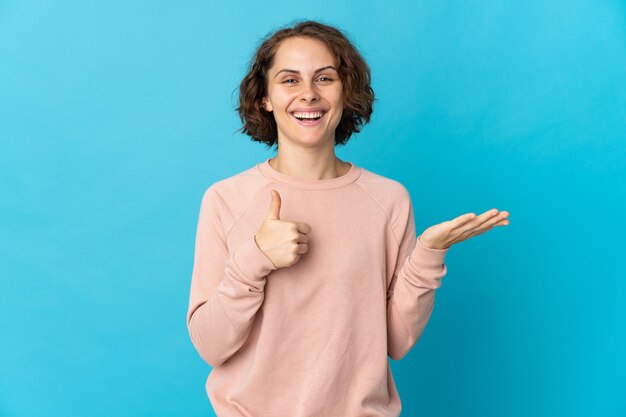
(316, 168)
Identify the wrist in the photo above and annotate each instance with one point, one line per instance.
(431, 245)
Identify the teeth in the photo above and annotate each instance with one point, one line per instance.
(303, 115)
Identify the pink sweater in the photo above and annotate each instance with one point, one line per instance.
(312, 339)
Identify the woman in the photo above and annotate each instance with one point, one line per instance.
(307, 272)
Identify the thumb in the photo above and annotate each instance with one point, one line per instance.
(274, 212)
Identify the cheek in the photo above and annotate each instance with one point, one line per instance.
(339, 99)
(339, 105)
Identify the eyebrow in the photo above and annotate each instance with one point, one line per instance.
(298, 72)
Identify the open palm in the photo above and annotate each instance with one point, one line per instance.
(446, 234)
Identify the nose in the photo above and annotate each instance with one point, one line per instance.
(309, 92)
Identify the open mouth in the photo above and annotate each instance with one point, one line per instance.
(310, 119)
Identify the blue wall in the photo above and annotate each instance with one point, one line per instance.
(116, 116)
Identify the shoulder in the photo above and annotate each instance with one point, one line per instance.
(391, 196)
(237, 185)
(386, 191)
(236, 192)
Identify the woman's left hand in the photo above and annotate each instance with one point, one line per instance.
(446, 234)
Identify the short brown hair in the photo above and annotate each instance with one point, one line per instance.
(358, 96)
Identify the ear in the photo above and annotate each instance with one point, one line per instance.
(266, 104)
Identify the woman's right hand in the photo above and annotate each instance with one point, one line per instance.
(282, 241)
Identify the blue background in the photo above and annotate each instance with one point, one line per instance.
(116, 116)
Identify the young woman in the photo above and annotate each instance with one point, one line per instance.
(307, 273)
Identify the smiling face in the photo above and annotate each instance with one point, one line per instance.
(304, 80)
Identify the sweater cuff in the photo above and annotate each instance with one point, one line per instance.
(426, 266)
(428, 257)
(252, 261)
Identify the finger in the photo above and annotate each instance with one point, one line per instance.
(496, 220)
(303, 248)
(504, 222)
(463, 220)
(274, 210)
(493, 221)
(302, 238)
(502, 218)
(303, 228)
(490, 216)
(477, 224)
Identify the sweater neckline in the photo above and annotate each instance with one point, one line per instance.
(306, 183)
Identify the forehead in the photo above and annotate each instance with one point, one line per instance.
(302, 53)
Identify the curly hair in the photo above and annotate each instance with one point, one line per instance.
(358, 96)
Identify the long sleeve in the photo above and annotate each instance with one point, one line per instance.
(227, 288)
(411, 295)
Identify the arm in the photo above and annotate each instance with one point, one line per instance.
(227, 289)
(411, 295)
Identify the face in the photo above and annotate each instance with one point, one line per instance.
(304, 81)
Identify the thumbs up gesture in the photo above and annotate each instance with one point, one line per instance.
(282, 241)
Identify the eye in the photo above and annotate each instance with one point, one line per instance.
(288, 80)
